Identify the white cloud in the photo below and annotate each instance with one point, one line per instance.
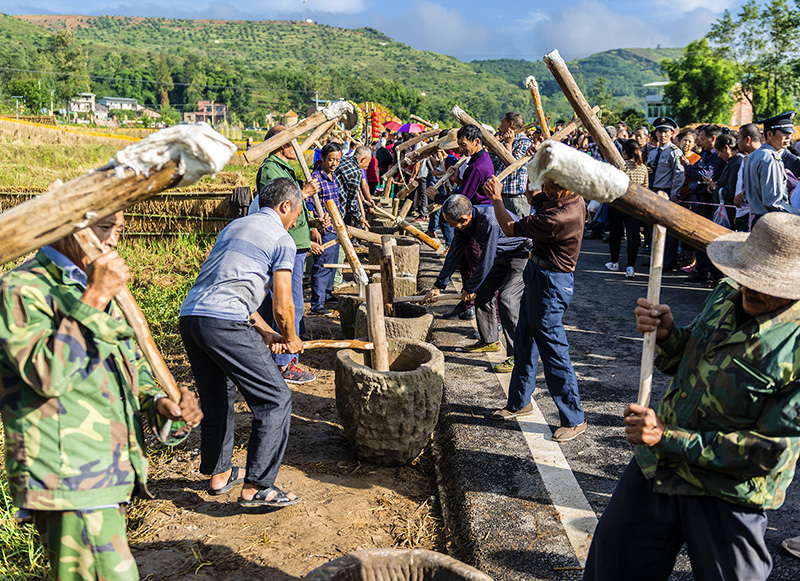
(715, 6)
(587, 27)
(430, 26)
(532, 19)
(334, 6)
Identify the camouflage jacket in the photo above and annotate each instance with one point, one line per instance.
(731, 409)
(73, 388)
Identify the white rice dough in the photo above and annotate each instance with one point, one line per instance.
(577, 172)
(337, 109)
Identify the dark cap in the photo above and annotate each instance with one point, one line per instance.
(782, 122)
(665, 124)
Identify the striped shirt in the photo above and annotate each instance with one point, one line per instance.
(349, 176)
(517, 182)
(328, 190)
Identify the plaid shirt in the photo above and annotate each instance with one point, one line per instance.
(328, 190)
(349, 176)
(515, 184)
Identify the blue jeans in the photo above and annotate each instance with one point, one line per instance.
(321, 277)
(265, 310)
(540, 331)
(437, 219)
(219, 351)
(642, 531)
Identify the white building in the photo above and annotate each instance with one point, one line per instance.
(654, 101)
(83, 103)
(119, 103)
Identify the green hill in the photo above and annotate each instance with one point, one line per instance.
(257, 67)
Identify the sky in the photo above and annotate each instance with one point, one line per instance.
(466, 29)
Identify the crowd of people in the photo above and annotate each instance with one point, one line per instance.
(720, 448)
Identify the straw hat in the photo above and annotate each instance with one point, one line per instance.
(452, 140)
(767, 259)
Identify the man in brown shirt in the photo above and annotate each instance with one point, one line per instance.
(556, 229)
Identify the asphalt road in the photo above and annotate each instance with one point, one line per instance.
(514, 509)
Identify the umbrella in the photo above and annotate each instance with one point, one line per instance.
(392, 125)
(411, 128)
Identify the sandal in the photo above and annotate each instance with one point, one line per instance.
(279, 500)
(232, 481)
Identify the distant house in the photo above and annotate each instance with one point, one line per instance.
(142, 111)
(119, 103)
(290, 118)
(83, 103)
(741, 112)
(207, 111)
(654, 101)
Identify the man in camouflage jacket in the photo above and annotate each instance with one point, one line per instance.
(725, 440)
(73, 388)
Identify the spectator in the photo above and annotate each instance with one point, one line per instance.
(749, 140)
(637, 172)
(514, 186)
(666, 174)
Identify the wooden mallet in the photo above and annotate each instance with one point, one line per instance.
(653, 295)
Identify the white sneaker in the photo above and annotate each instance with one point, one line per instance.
(629, 272)
(612, 266)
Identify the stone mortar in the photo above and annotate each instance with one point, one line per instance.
(410, 321)
(388, 417)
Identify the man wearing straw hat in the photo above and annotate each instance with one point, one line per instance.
(725, 440)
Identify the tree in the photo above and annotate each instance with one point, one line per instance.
(70, 62)
(700, 85)
(163, 80)
(762, 42)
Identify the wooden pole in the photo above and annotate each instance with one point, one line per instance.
(558, 67)
(572, 126)
(344, 239)
(298, 153)
(263, 149)
(443, 298)
(316, 134)
(73, 206)
(387, 273)
(416, 139)
(405, 209)
(338, 344)
(425, 151)
(421, 236)
(376, 330)
(93, 249)
(431, 209)
(569, 168)
(364, 235)
(653, 295)
(348, 267)
(451, 171)
(402, 194)
(489, 140)
(422, 121)
(533, 87)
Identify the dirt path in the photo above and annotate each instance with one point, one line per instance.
(186, 533)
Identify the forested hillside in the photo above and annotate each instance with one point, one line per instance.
(257, 67)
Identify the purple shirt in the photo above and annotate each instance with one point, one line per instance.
(479, 170)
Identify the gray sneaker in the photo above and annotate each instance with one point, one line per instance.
(792, 546)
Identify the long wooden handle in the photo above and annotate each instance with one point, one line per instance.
(419, 235)
(338, 344)
(344, 239)
(263, 149)
(93, 249)
(653, 295)
(489, 140)
(533, 87)
(572, 92)
(298, 153)
(451, 171)
(444, 298)
(370, 237)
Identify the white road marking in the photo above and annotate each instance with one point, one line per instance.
(576, 515)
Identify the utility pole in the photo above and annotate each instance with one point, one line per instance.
(304, 9)
(16, 107)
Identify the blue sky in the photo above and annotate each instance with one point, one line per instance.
(467, 29)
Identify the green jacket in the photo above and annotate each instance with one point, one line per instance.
(731, 409)
(73, 388)
(276, 167)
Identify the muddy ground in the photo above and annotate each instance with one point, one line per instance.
(186, 533)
